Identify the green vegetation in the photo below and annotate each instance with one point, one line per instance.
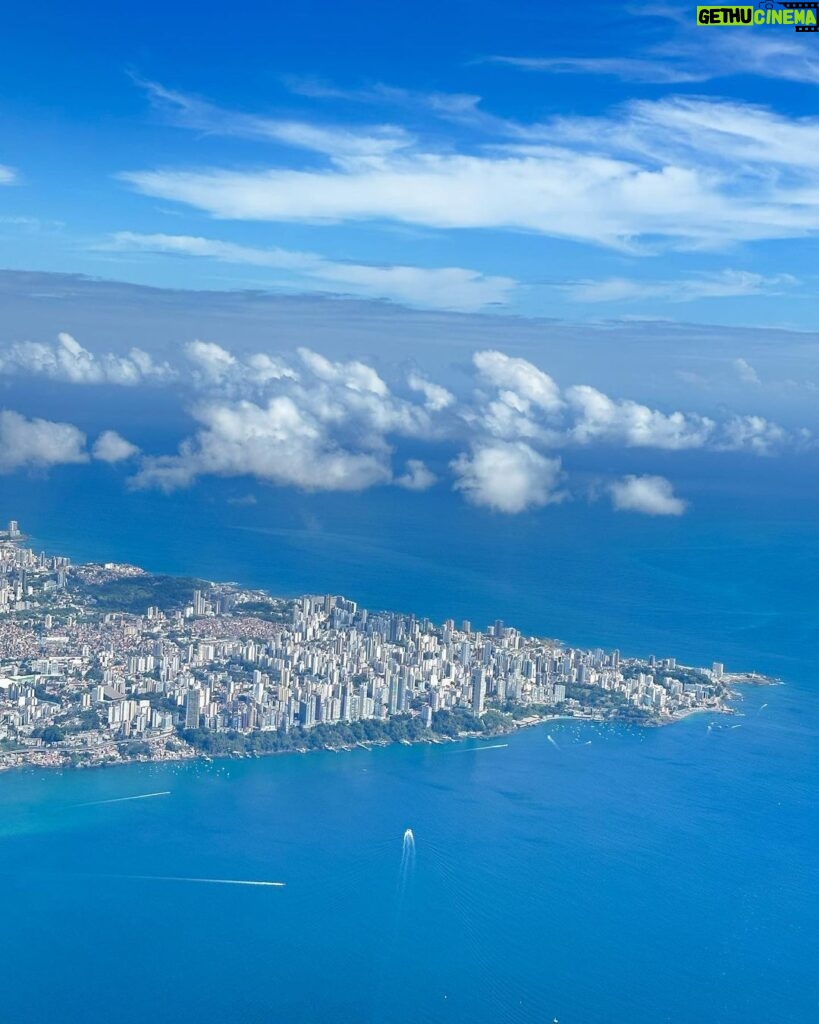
(87, 722)
(271, 611)
(136, 748)
(136, 594)
(494, 721)
(689, 676)
(459, 720)
(634, 715)
(594, 697)
(325, 735)
(400, 728)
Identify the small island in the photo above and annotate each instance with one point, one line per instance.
(105, 664)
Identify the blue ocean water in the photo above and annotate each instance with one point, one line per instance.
(612, 875)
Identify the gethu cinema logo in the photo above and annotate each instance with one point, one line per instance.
(803, 16)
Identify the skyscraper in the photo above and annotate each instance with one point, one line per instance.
(193, 708)
(478, 691)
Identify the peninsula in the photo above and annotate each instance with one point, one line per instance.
(108, 663)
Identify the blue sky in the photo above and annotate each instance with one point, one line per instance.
(590, 163)
(458, 246)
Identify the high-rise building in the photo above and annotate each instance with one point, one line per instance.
(392, 702)
(307, 713)
(193, 708)
(478, 691)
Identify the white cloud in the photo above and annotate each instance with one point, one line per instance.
(8, 176)
(690, 55)
(214, 366)
(67, 360)
(111, 447)
(355, 376)
(191, 112)
(508, 477)
(725, 284)
(452, 288)
(213, 362)
(746, 373)
(264, 368)
(600, 418)
(417, 477)
(550, 192)
(519, 376)
(436, 397)
(651, 495)
(526, 403)
(509, 416)
(327, 429)
(749, 154)
(335, 424)
(683, 171)
(754, 434)
(631, 69)
(351, 399)
(278, 443)
(38, 443)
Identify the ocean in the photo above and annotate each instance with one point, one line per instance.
(611, 874)
(580, 872)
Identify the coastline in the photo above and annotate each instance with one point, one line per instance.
(41, 758)
(228, 634)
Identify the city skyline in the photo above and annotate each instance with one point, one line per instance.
(226, 670)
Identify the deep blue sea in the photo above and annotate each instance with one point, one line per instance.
(593, 874)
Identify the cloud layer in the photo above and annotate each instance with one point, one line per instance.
(303, 420)
(67, 360)
(681, 171)
(725, 284)
(687, 56)
(451, 288)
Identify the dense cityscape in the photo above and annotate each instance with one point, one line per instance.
(108, 663)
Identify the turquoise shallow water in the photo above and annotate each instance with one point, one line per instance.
(612, 876)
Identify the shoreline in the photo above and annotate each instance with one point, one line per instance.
(109, 608)
(190, 753)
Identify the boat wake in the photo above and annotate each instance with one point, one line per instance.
(206, 881)
(124, 799)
